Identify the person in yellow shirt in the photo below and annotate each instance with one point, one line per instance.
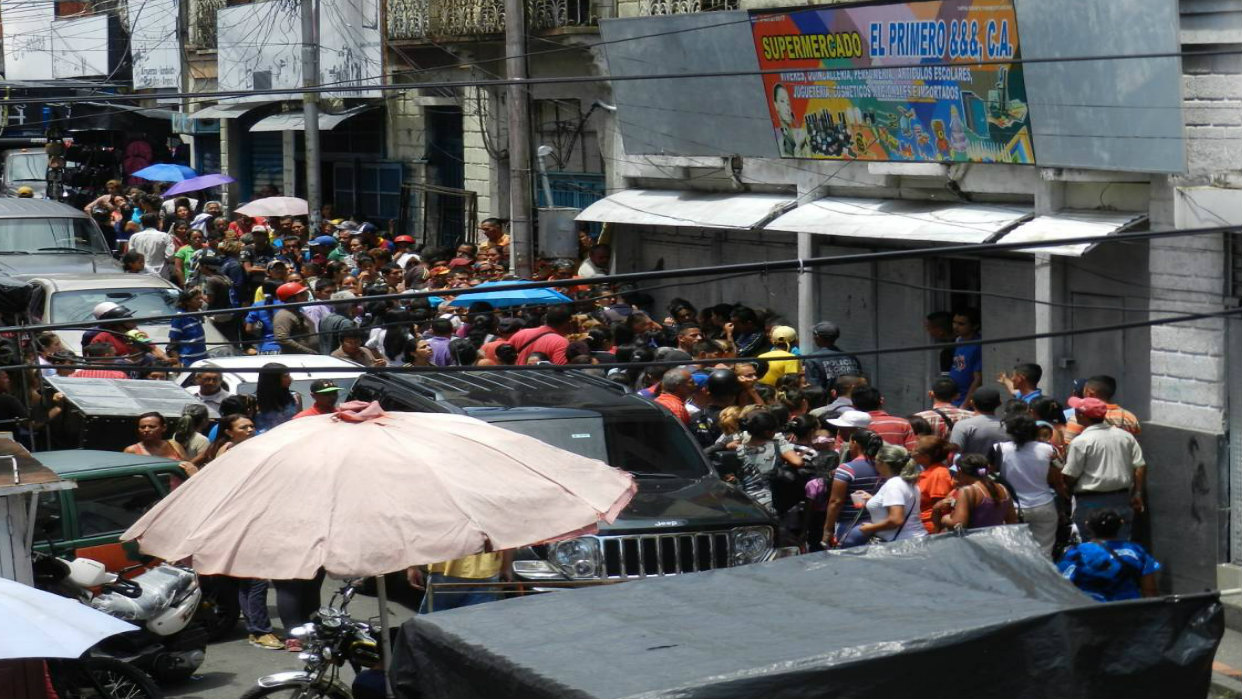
(483, 568)
(784, 340)
(493, 230)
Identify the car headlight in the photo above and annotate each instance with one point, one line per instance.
(536, 570)
(576, 558)
(751, 544)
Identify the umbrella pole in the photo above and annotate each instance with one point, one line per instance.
(381, 587)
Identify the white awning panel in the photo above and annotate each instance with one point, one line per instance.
(227, 110)
(294, 121)
(1071, 224)
(900, 219)
(663, 207)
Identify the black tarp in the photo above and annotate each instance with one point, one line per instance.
(982, 615)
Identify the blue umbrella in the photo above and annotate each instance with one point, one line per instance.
(165, 172)
(501, 297)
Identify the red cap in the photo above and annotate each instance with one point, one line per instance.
(1089, 407)
(403, 239)
(284, 292)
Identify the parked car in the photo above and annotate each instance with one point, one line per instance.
(683, 519)
(113, 490)
(70, 298)
(342, 371)
(39, 237)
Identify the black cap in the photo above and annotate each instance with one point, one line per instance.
(325, 386)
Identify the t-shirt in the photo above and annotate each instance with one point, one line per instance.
(977, 435)
(440, 355)
(313, 411)
(183, 258)
(778, 365)
(967, 361)
(675, 405)
(823, 371)
(480, 566)
(156, 247)
(858, 474)
(262, 316)
(541, 339)
(935, 484)
(1025, 469)
(893, 430)
(186, 336)
(212, 401)
(897, 492)
(1108, 570)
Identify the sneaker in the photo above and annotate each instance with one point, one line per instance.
(267, 640)
(293, 645)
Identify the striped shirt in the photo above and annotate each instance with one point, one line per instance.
(858, 474)
(942, 428)
(1116, 416)
(893, 430)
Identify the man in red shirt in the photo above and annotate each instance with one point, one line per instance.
(547, 339)
(98, 353)
(677, 386)
(325, 392)
(892, 429)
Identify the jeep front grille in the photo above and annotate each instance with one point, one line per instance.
(639, 556)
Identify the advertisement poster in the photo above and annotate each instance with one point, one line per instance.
(953, 92)
(154, 47)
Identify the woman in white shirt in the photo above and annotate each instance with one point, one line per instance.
(1026, 468)
(894, 509)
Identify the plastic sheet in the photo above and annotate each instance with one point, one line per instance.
(947, 616)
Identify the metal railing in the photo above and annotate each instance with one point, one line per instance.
(422, 19)
(683, 7)
(203, 23)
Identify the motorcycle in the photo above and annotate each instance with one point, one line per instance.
(162, 602)
(329, 641)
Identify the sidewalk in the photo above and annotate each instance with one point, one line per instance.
(1227, 670)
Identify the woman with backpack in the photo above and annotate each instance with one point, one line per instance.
(1107, 568)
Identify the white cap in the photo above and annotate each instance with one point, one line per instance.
(103, 307)
(851, 418)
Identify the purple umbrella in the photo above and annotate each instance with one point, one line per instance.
(194, 184)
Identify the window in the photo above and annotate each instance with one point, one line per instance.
(107, 505)
(73, 306)
(22, 235)
(634, 443)
(371, 190)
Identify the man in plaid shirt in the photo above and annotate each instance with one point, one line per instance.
(1103, 387)
(943, 414)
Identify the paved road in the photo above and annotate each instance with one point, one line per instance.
(233, 665)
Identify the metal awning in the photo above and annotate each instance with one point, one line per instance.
(294, 121)
(1072, 224)
(900, 220)
(227, 110)
(663, 207)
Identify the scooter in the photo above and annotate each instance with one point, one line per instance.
(162, 602)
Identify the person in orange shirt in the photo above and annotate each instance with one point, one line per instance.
(935, 481)
(676, 386)
(1104, 388)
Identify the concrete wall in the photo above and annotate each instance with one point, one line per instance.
(1184, 489)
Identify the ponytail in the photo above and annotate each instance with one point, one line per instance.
(899, 460)
(976, 466)
(870, 442)
(192, 415)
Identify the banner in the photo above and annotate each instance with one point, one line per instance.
(936, 104)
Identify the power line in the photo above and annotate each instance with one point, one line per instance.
(715, 270)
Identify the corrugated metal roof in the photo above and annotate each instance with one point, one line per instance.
(900, 219)
(662, 207)
(295, 121)
(1072, 224)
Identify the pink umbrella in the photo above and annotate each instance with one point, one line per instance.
(366, 493)
(274, 206)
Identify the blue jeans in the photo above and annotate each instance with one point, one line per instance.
(252, 595)
(454, 597)
(849, 537)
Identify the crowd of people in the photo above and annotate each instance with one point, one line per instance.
(807, 437)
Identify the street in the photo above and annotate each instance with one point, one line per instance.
(233, 665)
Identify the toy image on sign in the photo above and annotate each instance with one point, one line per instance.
(951, 95)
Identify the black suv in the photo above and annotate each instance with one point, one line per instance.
(684, 518)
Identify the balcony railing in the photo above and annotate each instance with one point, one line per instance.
(421, 19)
(683, 7)
(203, 22)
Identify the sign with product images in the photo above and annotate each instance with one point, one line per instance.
(933, 81)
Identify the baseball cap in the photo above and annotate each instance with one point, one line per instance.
(259, 229)
(325, 240)
(367, 228)
(138, 337)
(24, 191)
(672, 354)
(347, 226)
(826, 328)
(851, 418)
(324, 386)
(1089, 407)
(459, 262)
(785, 334)
(403, 239)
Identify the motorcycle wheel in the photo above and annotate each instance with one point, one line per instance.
(117, 679)
(296, 690)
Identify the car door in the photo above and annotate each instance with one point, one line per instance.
(104, 507)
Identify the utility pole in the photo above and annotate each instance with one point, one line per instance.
(310, 106)
(521, 233)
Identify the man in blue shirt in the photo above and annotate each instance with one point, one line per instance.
(187, 343)
(1023, 382)
(967, 368)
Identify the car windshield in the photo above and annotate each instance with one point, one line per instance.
(26, 166)
(302, 387)
(23, 235)
(76, 306)
(635, 444)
